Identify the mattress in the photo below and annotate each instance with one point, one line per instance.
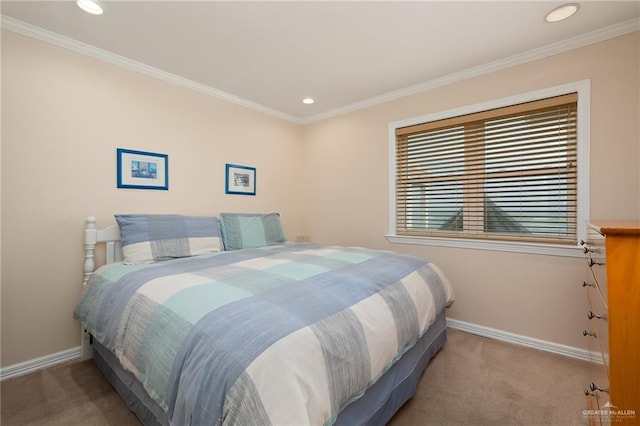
(374, 408)
(289, 334)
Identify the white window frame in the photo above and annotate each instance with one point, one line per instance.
(583, 89)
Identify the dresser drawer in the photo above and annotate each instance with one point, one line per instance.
(618, 295)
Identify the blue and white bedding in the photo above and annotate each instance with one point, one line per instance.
(284, 335)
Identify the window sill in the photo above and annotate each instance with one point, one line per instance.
(508, 246)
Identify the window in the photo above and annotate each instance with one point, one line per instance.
(504, 174)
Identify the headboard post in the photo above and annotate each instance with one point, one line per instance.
(90, 240)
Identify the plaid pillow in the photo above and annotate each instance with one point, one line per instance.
(150, 238)
(247, 230)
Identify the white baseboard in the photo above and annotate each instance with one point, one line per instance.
(517, 339)
(492, 333)
(39, 363)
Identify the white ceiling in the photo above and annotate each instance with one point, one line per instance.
(270, 55)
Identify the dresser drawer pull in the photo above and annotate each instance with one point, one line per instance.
(591, 315)
(593, 387)
(585, 246)
(586, 333)
(593, 262)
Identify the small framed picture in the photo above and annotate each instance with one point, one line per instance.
(240, 180)
(142, 170)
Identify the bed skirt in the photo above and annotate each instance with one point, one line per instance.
(375, 407)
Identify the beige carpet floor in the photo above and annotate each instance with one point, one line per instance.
(471, 381)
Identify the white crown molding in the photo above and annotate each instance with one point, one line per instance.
(76, 46)
(36, 364)
(529, 342)
(603, 34)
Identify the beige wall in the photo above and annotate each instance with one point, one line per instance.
(64, 115)
(346, 164)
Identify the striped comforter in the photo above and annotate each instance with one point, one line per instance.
(282, 335)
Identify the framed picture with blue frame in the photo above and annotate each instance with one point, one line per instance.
(240, 180)
(142, 170)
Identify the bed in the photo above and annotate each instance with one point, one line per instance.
(219, 320)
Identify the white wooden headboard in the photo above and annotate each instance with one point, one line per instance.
(110, 236)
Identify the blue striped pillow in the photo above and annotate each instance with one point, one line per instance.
(150, 238)
(248, 230)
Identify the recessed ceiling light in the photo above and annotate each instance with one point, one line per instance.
(308, 101)
(90, 6)
(563, 12)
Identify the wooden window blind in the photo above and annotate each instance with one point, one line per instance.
(508, 173)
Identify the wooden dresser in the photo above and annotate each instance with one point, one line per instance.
(614, 319)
